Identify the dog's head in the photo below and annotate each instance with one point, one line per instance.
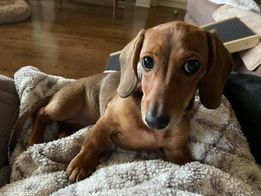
(171, 61)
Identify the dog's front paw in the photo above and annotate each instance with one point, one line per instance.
(79, 168)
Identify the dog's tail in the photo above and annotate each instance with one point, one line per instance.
(19, 125)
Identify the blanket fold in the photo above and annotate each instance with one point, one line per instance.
(223, 164)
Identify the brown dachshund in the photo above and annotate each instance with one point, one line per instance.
(146, 105)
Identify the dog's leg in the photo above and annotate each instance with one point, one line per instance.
(180, 155)
(176, 150)
(40, 122)
(85, 162)
(66, 129)
(51, 112)
(64, 106)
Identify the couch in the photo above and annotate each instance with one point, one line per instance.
(200, 13)
(9, 104)
(217, 145)
(245, 101)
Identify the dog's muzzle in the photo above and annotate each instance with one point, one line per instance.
(157, 122)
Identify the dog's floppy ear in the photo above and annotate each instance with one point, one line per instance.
(129, 59)
(219, 68)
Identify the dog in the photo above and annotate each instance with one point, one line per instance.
(146, 105)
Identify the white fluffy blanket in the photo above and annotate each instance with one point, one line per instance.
(223, 164)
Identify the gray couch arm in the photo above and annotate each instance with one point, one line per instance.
(9, 108)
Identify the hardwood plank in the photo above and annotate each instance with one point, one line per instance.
(76, 41)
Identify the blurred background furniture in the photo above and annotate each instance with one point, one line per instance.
(114, 6)
(200, 13)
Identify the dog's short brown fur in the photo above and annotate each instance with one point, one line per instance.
(120, 103)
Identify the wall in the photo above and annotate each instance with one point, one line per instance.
(169, 3)
(172, 3)
(143, 3)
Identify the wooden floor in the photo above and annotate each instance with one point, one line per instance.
(75, 41)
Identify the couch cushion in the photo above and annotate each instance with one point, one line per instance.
(201, 11)
(4, 175)
(9, 104)
(244, 93)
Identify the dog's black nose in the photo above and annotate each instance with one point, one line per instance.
(157, 122)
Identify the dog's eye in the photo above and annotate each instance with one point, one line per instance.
(147, 63)
(191, 66)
